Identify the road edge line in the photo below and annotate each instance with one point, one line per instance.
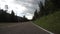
(42, 28)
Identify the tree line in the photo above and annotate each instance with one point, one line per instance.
(50, 7)
(6, 17)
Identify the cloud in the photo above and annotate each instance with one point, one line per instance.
(29, 16)
(21, 7)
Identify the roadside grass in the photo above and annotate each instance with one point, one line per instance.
(50, 22)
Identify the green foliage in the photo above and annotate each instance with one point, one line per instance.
(50, 22)
(49, 6)
(41, 12)
(52, 5)
(47, 9)
(56, 3)
(49, 17)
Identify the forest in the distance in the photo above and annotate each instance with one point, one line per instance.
(6, 17)
(49, 16)
(50, 7)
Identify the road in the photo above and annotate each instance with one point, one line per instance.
(21, 28)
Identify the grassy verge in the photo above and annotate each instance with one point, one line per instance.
(50, 22)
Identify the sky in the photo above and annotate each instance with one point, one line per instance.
(21, 7)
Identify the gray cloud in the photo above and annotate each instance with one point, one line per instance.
(31, 6)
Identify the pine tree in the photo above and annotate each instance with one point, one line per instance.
(24, 19)
(56, 3)
(12, 16)
(12, 13)
(41, 12)
(35, 15)
(49, 6)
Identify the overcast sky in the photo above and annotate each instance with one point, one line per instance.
(21, 7)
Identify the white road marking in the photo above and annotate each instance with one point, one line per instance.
(42, 28)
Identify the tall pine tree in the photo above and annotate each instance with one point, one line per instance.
(12, 16)
(42, 11)
(35, 15)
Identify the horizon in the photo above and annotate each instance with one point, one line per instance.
(21, 7)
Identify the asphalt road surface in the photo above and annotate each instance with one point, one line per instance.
(20, 28)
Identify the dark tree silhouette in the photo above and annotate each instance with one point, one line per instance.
(35, 15)
(56, 3)
(50, 7)
(24, 19)
(12, 16)
(6, 17)
(12, 13)
(3, 16)
(42, 10)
